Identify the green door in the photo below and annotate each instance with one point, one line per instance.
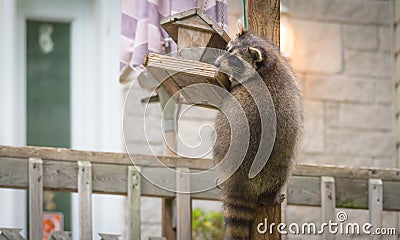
(48, 97)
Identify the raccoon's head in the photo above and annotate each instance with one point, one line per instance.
(259, 53)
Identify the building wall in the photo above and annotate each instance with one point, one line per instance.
(342, 55)
(397, 73)
(95, 98)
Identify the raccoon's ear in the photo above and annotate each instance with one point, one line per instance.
(256, 54)
(239, 28)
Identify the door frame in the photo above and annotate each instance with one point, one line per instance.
(57, 11)
(96, 96)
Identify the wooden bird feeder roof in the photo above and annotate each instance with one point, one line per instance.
(195, 20)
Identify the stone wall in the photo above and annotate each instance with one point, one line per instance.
(342, 55)
(397, 73)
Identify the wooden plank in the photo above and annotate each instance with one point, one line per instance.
(391, 196)
(188, 38)
(112, 179)
(10, 234)
(328, 203)
(134, 193)
(59, 175)
(181, 65)
(35, 172)
(390, 174)
(60, 235)
(183, 205)
(304, 191)
(109, 236)
(63, 154)
(196, 19)
(375, 205)
(352, 193)
(85, 200)
(14, 173)
(194, 23)
(182, 79)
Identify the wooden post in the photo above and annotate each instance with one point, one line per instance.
(170, 144)
(35, 198)
(85, 200)
(263, 18)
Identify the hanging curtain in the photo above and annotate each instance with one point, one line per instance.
(141, 32)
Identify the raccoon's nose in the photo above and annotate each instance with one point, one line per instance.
(217, 63)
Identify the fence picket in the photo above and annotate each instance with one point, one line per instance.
(85, 200)
(183, 205)
(35, 198)
(375, 204)
(328, 203)
(134, 193)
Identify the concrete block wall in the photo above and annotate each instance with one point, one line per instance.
(397, 73)
(342, 55)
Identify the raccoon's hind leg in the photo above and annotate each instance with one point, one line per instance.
(271, 199)
(239, 216)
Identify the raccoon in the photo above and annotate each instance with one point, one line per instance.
(239, 193)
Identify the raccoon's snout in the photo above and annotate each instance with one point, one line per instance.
(217, 63)
(220, 59)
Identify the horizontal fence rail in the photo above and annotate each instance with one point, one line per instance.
(109, 175)
(41, 168)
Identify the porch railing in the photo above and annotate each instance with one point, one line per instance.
(41, 168)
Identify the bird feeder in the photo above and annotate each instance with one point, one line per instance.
(182, 78)
(194, 28)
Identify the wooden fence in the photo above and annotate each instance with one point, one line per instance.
(41, 168)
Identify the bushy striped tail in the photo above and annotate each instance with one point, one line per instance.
(239, 215)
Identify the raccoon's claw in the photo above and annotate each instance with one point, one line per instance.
(280, 198)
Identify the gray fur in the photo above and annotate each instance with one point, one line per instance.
(239, 193)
